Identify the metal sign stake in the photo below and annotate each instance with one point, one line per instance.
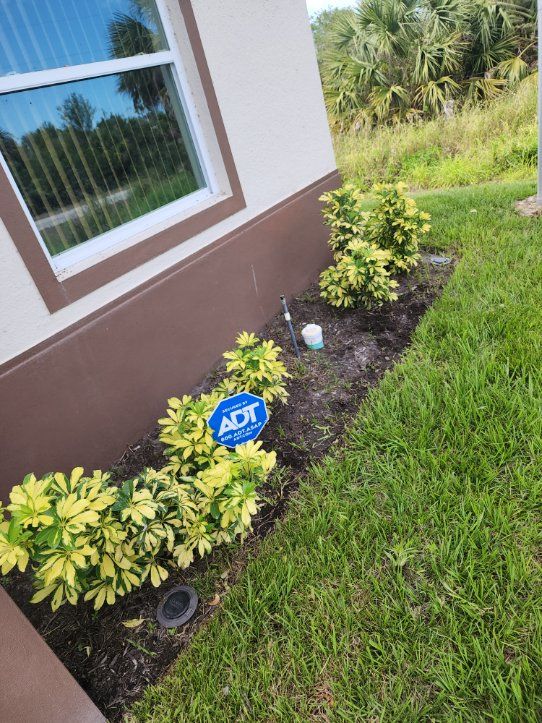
(288, 319)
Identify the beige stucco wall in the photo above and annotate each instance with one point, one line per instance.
(262, 62)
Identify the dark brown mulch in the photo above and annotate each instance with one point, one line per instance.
(114, 663)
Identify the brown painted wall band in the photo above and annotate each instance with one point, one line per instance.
(58, 294)
(82, 396)
(34, 685)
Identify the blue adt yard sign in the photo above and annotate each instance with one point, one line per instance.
(238, 419)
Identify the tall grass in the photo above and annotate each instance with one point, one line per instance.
(495, 141)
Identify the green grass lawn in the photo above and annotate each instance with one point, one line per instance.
(404, 583)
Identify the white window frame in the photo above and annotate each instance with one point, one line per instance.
(142, 225)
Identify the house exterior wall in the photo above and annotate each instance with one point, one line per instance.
(266, 81)
(87, 379)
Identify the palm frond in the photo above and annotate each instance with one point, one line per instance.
(484, 88)
(444, 15)
(386, 22)
(437, 57)
(432, 95)
(385, 101)
(513, 69)
(344, 31)
(485, 58)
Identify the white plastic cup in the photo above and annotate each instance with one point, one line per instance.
(312, 336)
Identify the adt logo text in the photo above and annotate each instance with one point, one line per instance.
(238, 419)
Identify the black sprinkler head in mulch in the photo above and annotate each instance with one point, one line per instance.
(177, 606)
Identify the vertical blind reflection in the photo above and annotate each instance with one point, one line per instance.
(90, 155)
(41, 34)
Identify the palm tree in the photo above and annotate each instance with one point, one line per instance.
(392, 60)
(139, 33)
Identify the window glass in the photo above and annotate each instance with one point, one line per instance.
(42, 34)
(90, 155)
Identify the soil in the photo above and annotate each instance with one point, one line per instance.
(114, 663)
(530, 206)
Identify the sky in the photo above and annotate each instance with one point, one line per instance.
(315, 6)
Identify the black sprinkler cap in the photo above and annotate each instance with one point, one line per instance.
(177, 606)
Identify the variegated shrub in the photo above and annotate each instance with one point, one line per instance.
(86, 537)
(359, 278)
(396, 225)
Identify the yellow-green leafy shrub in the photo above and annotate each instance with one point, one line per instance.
(227, 498)
(88, 538)
(254, 366)
(188, 439)
(343, 215)
(360, 277)
(396, 224)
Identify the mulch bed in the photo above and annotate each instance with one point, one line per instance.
(113, 663)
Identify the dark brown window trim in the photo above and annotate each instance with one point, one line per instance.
(59, 293)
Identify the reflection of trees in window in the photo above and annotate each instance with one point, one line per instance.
(99, 161)
(77, 112)
(138, 32)
(135, 34)
(8, 145)
(55, 165)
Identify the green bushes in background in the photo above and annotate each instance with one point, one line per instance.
(389, 61)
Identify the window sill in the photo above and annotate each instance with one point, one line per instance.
(60, 292)
(124, 237)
